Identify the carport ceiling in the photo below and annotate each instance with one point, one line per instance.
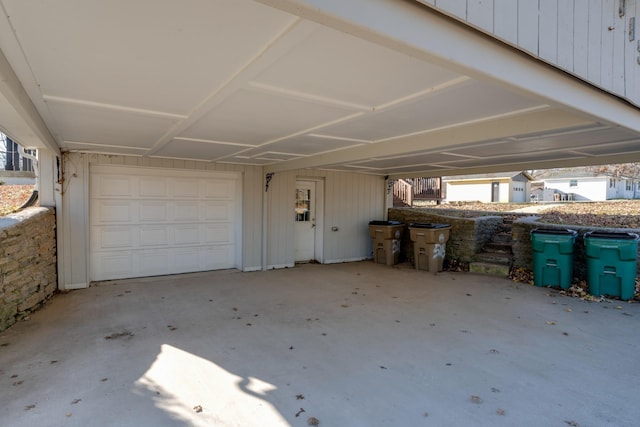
(243, 82)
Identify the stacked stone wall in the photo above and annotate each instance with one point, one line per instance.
(28, 274)
(466, 238)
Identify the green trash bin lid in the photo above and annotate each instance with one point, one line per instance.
(554, 231)
(611, 235)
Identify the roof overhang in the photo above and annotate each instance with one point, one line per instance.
(383, 87)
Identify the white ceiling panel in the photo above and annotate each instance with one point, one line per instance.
(110, 127)
(291, 84)
(197, 150)
(255, 117)
(324, 65)
(462, 103)
(158, 55)
(305, 145)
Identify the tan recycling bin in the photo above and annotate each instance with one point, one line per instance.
(429, 245)
(385, 239)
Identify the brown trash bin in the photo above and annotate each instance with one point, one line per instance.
(385, 239)
(429, 245)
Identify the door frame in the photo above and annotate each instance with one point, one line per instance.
(318, 248)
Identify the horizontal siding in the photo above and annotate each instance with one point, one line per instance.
(587, 38)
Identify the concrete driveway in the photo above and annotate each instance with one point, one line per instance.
(346, 345)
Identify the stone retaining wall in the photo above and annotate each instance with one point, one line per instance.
(466, 239)
(28, 274)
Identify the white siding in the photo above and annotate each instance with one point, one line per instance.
(588, 189)
(481, 192)
(585, 37)
(351, 201)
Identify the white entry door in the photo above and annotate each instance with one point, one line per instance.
(305, 221)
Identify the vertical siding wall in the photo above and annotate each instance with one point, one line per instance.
(587, 38)
(350, 202)
(75, 222)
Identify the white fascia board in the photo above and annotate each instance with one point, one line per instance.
(421, 32)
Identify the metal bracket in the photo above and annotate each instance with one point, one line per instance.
(267, 179)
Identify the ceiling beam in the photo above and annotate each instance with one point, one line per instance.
(527, 165)
(20, 119)
(547, 120)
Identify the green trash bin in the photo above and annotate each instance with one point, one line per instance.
(552, 256)
(611, 263)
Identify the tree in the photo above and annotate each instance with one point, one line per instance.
(622, 170)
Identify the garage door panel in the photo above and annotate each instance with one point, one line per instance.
(187, 234)
(186, 211)
(113, 265)
(154, 262)
(186, 188)
(113, 238)
(218, 233)
(108, 211)
(153, 187)
(154, 211)
(218, 211)
(217, 257)
(153, 236)
(222, 189)
(114, 186)
(147, 222)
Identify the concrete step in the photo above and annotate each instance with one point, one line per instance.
(502, 247)
(502, 237)
(495, 257)
(490, 269)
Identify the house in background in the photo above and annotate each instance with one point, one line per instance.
(579, 184)
(505, 187)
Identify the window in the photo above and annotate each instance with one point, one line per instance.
(629, 186)
(573, 183)
(303, 204)
(612, 183)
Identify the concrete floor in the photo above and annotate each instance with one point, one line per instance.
(352, 345)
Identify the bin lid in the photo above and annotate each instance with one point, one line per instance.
(385, 223)
(554, 231)
(427, 225)
(611, 235)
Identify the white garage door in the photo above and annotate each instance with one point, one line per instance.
(148, 222)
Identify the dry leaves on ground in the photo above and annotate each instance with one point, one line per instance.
(13, 196)
(612, 213)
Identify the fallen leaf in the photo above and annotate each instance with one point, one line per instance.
(568, 310)
(500, 411)
(299, 412)
(476, 399)
(550, 322)
(313, 421)
(197, 408)
(76, 401)
(299, 396)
